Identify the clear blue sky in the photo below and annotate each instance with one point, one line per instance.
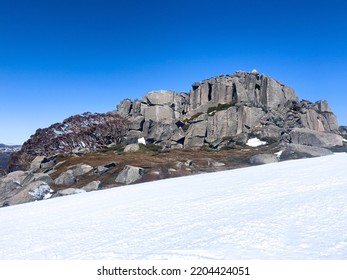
(59, 57)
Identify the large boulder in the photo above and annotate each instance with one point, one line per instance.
(123, 109)
(130, 174)
(81, 169)
(155, 132)
(36, 163)
(136, 123)
(66, 178)
(263, 159)
(69, 191)
(159, 97)
(132, 148)
(33, 177)
(101, 169)
(323, 106)
(19, 187)
(308, 137)
(92, 186)
(296, 151)
(37, 190)
(162, 114)
(196, 133)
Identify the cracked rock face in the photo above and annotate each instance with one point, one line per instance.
(241, 87)
(221, 110)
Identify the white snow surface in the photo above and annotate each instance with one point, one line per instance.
(255, 142)
(141, 140)
(289, 210)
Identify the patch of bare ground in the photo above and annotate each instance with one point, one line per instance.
(157, 164)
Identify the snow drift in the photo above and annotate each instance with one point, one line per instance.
(288, 210)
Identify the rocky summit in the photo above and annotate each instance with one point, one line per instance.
(227, 110)
(233, 121)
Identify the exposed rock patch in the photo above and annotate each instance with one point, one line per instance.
(129, 174)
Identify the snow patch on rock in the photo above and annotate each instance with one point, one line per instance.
(141, 140)
(255, 142)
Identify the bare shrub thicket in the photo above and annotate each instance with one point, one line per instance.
(85, 131)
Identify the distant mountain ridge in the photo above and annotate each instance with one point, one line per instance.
(5, 153)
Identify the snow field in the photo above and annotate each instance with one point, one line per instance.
(289, 210)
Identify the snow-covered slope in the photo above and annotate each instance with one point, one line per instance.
(289, 210)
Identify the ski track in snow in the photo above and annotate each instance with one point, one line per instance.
(289, 210)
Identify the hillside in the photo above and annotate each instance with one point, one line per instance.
(169, 134)
(288, 210)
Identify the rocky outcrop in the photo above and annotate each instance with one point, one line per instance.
(224, 111)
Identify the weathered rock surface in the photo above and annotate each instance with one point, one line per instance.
(104, 168)
(241, 87)
(296, 151)
(343, 131)
(263, 159)
(130, 174)
(66, 178)
(38, 190)
(92, 186)
(81, 169)
(308, 137)
(69, 191)
(132, 148)
(20, 187)
(220, 111)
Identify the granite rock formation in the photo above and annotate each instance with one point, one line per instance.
(224, 111)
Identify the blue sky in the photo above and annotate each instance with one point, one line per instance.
(59, 58)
